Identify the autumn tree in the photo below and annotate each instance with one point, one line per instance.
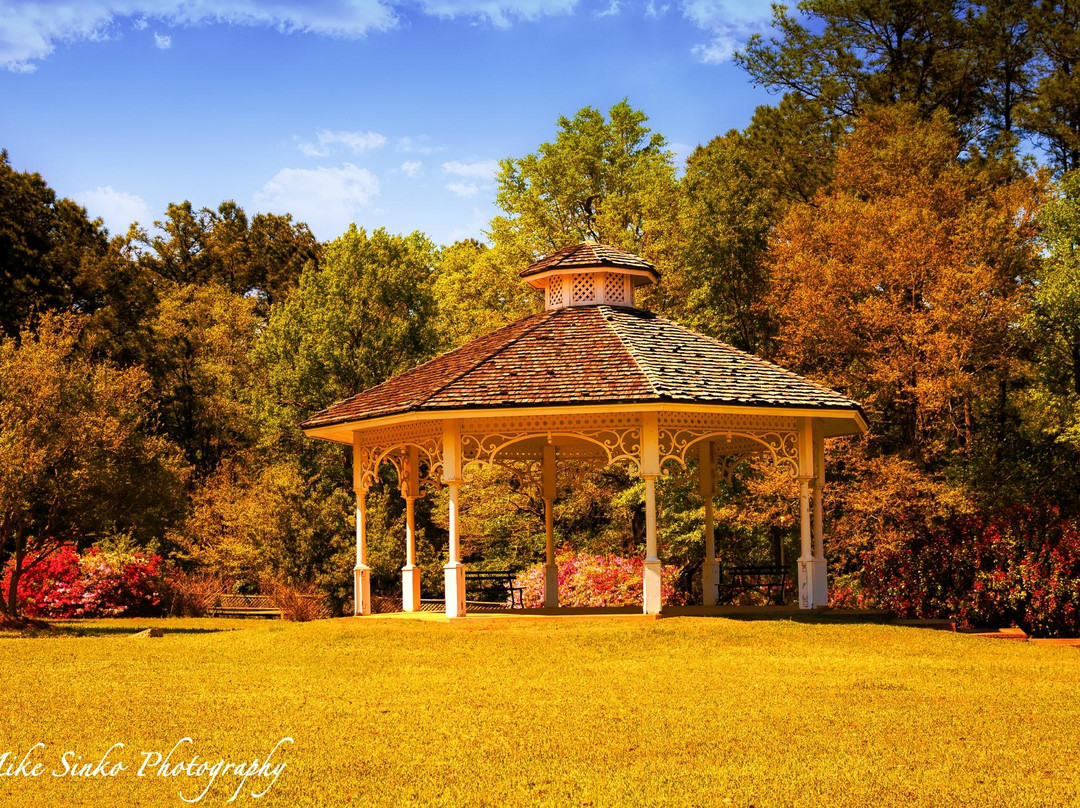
(78, 457)
(903, 283)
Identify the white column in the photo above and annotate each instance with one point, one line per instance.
(708, 567)
(650, 470)
(806, 473)
(551, 569)
(410, 573)
(362, 572)
(454, 570)
(821, 573)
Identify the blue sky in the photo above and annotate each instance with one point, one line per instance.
(383, 113)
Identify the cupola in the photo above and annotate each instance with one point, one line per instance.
(589, 274)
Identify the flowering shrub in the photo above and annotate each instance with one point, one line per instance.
(1019, 567)
(595, 580)
(93, 584)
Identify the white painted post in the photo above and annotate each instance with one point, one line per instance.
(708, 567)
(361, 572)
(821, 571)
(551, 569)
(806, 473)
(410, 573)
(454, 569)
(650, 470)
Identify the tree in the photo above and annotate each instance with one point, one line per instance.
(476, 291)
(199, 361)
(51, 253)
(262, 258)
(360, 316)
(903, 283)
(853, 54)
(1052, 113)
(726, 212)
(608, 179)
(78, 458)
(1055, 318)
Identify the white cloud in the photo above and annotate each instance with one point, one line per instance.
(328, 199)
(118, 209)
(611, 11)
(481, 170)
(356, 142)
(463, 189)
(498, 12)
(418, 145)
(30, 29)
(412, 168)
(730, 23)
(140, 24)
(162, 42)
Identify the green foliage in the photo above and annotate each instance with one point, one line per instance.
(610, 179)
(1054, 320)
(476, 289)
(360, 316)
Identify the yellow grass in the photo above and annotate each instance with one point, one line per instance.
(686, 711)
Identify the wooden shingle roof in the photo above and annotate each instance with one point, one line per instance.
(586, 255)
(586, 355)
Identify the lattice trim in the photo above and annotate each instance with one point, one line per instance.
(615, 289)
(391, 445)
(617, 437)
(555, 292)
(582, 287)
(675, 445)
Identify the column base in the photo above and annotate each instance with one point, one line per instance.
(410, 588)
(813, 583)
(551, 585)
(361, 590)
(455, 589)
(651, 588)
(709, 580)
(821, 582)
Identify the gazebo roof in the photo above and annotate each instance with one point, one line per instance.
(592, 355)
(588, 255)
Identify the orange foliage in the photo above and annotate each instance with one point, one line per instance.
(903, 283)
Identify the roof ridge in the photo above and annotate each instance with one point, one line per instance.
(541, 316)
(628, 348)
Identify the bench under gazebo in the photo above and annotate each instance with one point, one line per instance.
(589, 379)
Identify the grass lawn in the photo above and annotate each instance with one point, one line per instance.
(590, 711)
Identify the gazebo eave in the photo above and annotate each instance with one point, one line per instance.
(835, 422)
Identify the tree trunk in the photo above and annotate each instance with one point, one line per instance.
(13, 584)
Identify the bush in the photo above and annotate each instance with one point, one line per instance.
(191, 594)
(93, 584)
(1018, 567)
(298, 602)
(595, 580)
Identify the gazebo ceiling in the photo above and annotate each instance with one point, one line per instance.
(589, 355)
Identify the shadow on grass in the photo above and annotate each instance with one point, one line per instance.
(75, 630)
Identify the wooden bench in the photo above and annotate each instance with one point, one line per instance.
(495, 583)
(769, 581)
(226, 605)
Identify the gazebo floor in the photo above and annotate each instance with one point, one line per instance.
(822, 615)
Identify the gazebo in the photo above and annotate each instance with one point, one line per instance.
(594, 379)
